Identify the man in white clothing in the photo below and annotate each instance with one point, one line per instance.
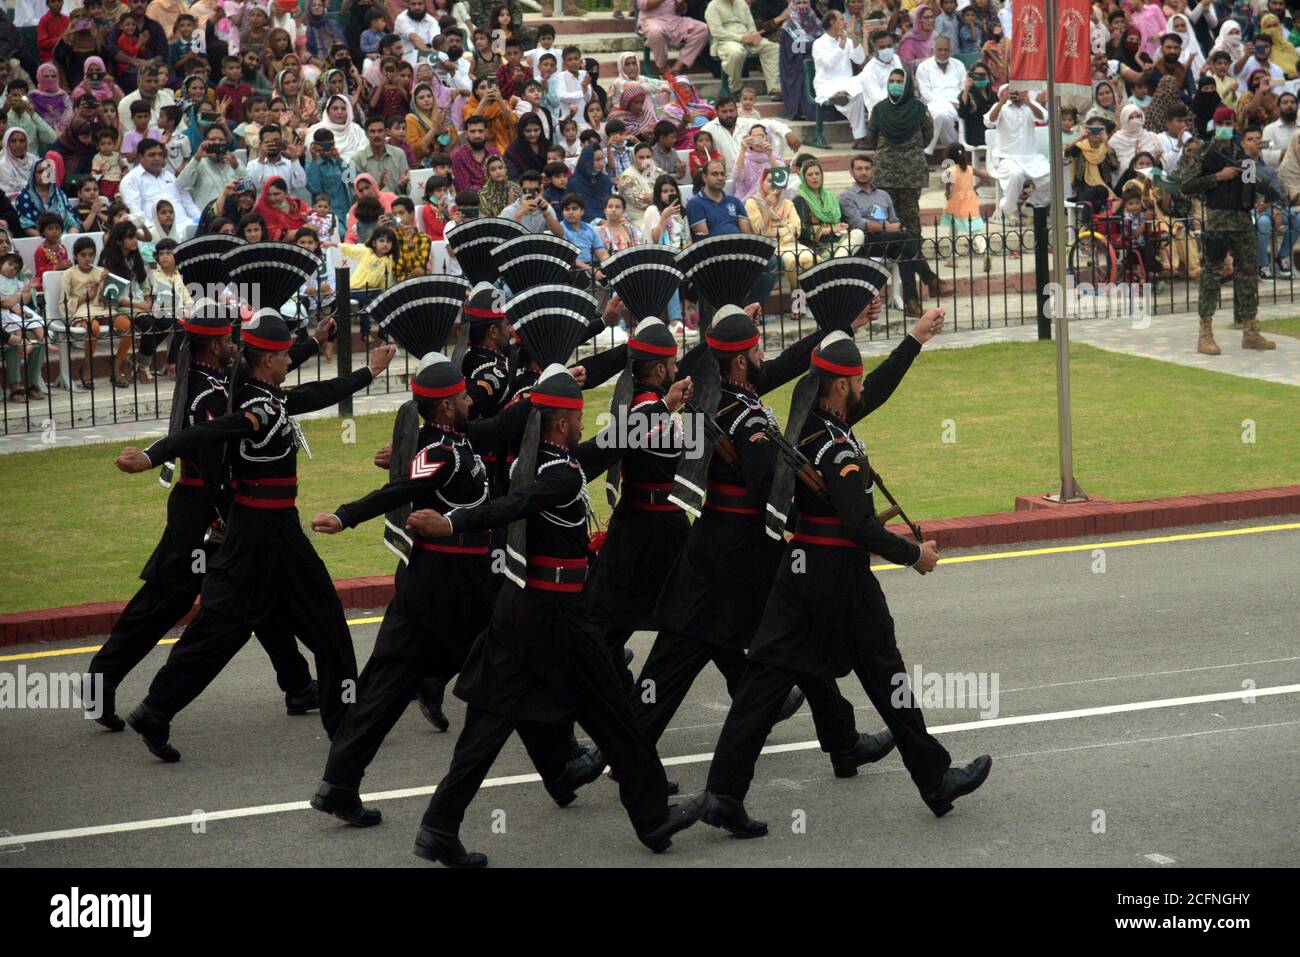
(571, 86)
(150, 91)
(875, 75)
(1279, 133)
(834, 81)
(151, 180)
(1015, 157)
(939, 82)
(417, 28)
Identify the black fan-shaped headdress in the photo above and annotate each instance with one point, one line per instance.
(534, 260)
(551, 321)
(725, 268)
(201, 259)
(472, 243)
(273, 272)
(645, 278)
(837, 290)
(418, 314)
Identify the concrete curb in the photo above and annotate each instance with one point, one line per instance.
(1034, 521)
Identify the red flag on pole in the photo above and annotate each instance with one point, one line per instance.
(1029, 41)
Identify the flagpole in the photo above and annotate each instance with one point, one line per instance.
(1069, 488)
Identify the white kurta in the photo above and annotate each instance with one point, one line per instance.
(835, 67)
(875, 80)
(939, 88)
(1016, 150)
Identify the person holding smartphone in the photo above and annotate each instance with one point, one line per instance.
(531, 210)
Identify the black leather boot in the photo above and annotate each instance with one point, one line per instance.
(300, 702)
(430, 697)
(345, 804)
(793, 702)
(155, 729)
(680, 817)
(578, 772)
(869, 749)
(957, 782)
(446, 848)
(729, 814)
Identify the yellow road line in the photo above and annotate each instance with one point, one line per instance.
(959, 559)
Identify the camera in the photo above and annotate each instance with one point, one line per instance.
(216, 149)
(530, 193)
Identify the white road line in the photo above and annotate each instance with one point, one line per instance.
(232, 813)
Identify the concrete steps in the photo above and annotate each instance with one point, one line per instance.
(578, 26)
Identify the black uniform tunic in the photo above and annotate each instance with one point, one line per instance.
(716, 590)
(486, 373)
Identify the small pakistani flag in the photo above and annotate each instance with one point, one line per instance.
(780, 177)
(115, 288)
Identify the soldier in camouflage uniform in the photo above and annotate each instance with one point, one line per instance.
(1223, 172)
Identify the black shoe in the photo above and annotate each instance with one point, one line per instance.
(440, 846)
(729, 814)
(869, 749)
(111, 721)
(578, 772)
(345, 804)
(431, 708)
(300, 702)
(680, 817)
(793, 702)
(151, 726)
(956, 782)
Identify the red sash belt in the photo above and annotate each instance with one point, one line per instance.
(556, 574)
(267, 492)
(822, 530)
(464, 543)
(189, 474)
(729, 498)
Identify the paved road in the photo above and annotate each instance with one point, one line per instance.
(1092, 667)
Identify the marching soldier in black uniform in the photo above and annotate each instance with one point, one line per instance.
(266, 572)
(710, 605)
(541, 662)
(197, 505)
(486, 365)
(826, 614)
(442, 599)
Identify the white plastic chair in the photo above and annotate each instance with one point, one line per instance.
(25, 246)
(58, 330)
(418, 177)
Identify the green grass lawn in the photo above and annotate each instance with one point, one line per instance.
(77, 530)
(1289, 326)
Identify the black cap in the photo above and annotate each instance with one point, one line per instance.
(210, 319)
(556, 389)
(652, 340)
(437, 378)
(836, 356)
(732, 331)
(482, 304)
(266, 331)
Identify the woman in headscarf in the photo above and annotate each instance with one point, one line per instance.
(899, 129)
(1164, 98)
(772, 215)
(50, 101)
(16, 162)
(42, 195)
(1229, 40)
(1284, 54)
(1191, 54)
(918, 43)
(629, 74)
(1257, 107)
(76, 146)
(80, 44)
(366, 187)
(1092, 162)
(289, 87)
(528, 151)
(254, 28)
(821, 220)
(499, 116)
(98, 83)
(591, 182)
(1130, 138)
(756, 157)
(685, 100)
(975, 102)
(348, 136)
(636, 112)
(426, 123)
(497, 191)
(800, 29)
(283, 212)
(1149, 20)
(1106, 98)
(322, 32)
(1204, 103)
(636, 183)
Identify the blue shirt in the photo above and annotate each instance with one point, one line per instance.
(722, 219)
(585, 237)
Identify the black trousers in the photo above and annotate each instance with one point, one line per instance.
(905, 249)
(676, 659)
(213, 638)
(601, 710)
(757, 702)
(151, 613)
(617, 640)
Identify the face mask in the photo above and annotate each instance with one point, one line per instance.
(1223, 133)
(1140, 100)
(981, 83)
(886, 55)
(895, 89)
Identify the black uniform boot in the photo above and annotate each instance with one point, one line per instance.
(578, 772)
(430, 697)
(300, 702)
(155, 729)
(729, 814)
(345, 804)
(793, 702)
(440, 846)
(680, 817)
(869, 749)
(956, 782)
(108, 717)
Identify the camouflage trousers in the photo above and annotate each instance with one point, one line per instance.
(907, 205)
(1240, 243)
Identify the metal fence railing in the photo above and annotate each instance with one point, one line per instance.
(72, 360)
